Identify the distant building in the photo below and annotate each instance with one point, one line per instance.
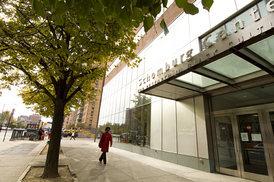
(88, 112)
(35, 119)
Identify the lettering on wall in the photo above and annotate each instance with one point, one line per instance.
(226, 41)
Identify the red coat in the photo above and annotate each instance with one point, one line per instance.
(105, 142)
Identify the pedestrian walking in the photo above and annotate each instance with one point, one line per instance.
(104, 144)
(72, 136)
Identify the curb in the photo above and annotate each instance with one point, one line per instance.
(72, 173)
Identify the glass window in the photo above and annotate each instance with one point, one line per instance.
(91, 113)
(245, 17)
(197, 79)
(127, 96)
(213, 38)
(232, 66)
(93, 106)
(262, 8)
(254, 96)
(265, 49)
(133, 93)
(124, 76)
(129, 74)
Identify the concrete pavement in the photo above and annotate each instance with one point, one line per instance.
(82, 157)
(16, 156)
(124, 166)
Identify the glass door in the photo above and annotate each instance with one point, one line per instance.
(227, 158)
(243, 145)
(252, 146)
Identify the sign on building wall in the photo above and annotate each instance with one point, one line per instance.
(225, 42)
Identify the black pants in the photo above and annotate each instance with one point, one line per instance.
(103, 157)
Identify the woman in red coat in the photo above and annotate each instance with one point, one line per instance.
(104, 144)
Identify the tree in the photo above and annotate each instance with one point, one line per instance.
(71, 125)
(80, 125)
(126, 12)
(57, 63)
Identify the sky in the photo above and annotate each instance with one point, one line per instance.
(10, 100)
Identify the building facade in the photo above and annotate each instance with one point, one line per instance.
(88, 113)
(203, 96)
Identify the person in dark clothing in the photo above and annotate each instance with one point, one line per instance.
(104, 144)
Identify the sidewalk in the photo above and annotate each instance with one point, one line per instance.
(124, 166)
(82, 155)
(16, 156)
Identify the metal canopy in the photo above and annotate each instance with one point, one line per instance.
(242, 64)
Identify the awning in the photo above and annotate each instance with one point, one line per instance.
(227, 64)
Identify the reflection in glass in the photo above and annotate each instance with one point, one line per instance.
(225, 142)
(134, 126)
(197, 79)
(245, 17)
(213, 39)
(244, 98)
(232, 66)
(252, 144)
(265, 49)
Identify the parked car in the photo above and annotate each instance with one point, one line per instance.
(259, 146)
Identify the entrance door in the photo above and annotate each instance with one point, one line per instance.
(243, 147)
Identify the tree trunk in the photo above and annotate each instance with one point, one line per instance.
(51, 166)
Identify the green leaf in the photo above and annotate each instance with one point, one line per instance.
(124, 16)
(207, 4)
(84, 24)
(164, 3)
(137, 15)
(163, 26)
(62, 8)
(100, 26)
(148, 2)
(148, 23)
(156, 9)
(53, 4)
(97, 6)
(100, 17)
(145, 10)
(59, 20)
(189, 8)
(108, 11)
(70, 3)
(162, 23)
(38, 8)
(105, 2)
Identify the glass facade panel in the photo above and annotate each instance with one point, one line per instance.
(212, 39)
(254, 96)
(265, 49)
(245, 17)
(262, 8)
(232, 66)
(197, 79)
(225, 143)
(252, 144)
